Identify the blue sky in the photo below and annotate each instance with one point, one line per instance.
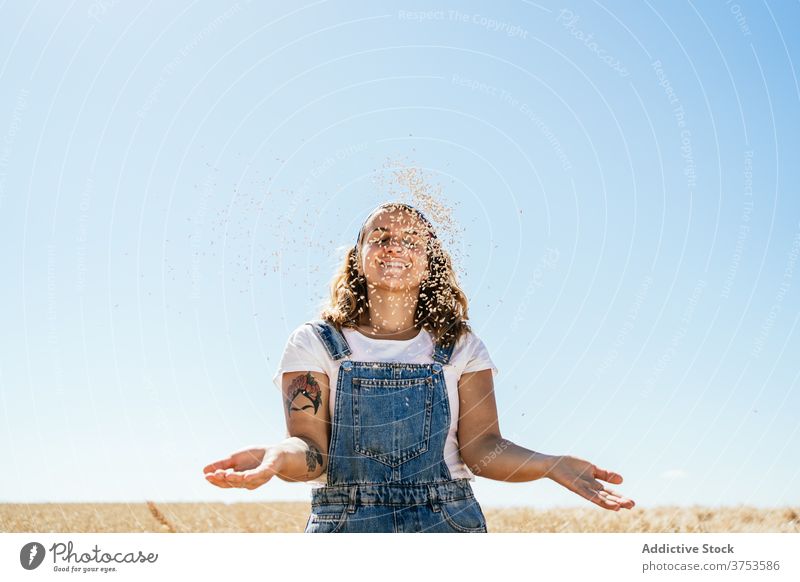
(177, 182)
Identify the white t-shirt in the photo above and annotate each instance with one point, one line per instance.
(305, 352)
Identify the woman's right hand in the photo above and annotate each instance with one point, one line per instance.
(248, 468)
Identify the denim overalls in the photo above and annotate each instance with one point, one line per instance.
(386, 467)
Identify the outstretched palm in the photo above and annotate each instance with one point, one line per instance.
(240, 461)
(581, 477)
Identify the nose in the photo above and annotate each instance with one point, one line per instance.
(395, 245)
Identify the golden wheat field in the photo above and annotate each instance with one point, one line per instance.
(291, 517)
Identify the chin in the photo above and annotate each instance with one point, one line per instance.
(397, 284)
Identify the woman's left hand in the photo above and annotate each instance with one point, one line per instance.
(581, 477)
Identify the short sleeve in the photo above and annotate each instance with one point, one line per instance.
(303, 352)
(479, 358)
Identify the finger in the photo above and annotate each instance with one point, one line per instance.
(606, 475)
(610, 497)
(214, 480)
(223, 464)
(607, 495)
(601, 500)
(222, 476)
(616, 498)
(621, 499)
(256, 477)
(233, 478)
(625, 502)
(608, 504)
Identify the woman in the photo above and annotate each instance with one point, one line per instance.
(393, 443)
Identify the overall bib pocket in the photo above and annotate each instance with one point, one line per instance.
(392, 418)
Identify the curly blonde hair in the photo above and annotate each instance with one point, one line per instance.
(441, 304)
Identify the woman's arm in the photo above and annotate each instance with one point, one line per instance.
(483, 449)
(308, 425)
(489, 455)
(302, 456)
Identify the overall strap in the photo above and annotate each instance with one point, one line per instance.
(442, 355)
(332, 338)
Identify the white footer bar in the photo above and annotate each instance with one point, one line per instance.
(353, 557)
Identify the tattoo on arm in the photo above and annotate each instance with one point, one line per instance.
(313, 458)
(307, 387)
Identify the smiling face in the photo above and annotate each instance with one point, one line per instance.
(393, 255)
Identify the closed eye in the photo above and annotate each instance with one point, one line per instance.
(410, 242)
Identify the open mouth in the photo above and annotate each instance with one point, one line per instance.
(399, 265)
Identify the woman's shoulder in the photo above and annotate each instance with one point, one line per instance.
(305, 334)
(468, 339)
(310, 333)
(472, 354)
(465, 345)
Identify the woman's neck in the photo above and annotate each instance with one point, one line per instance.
(391, 314)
